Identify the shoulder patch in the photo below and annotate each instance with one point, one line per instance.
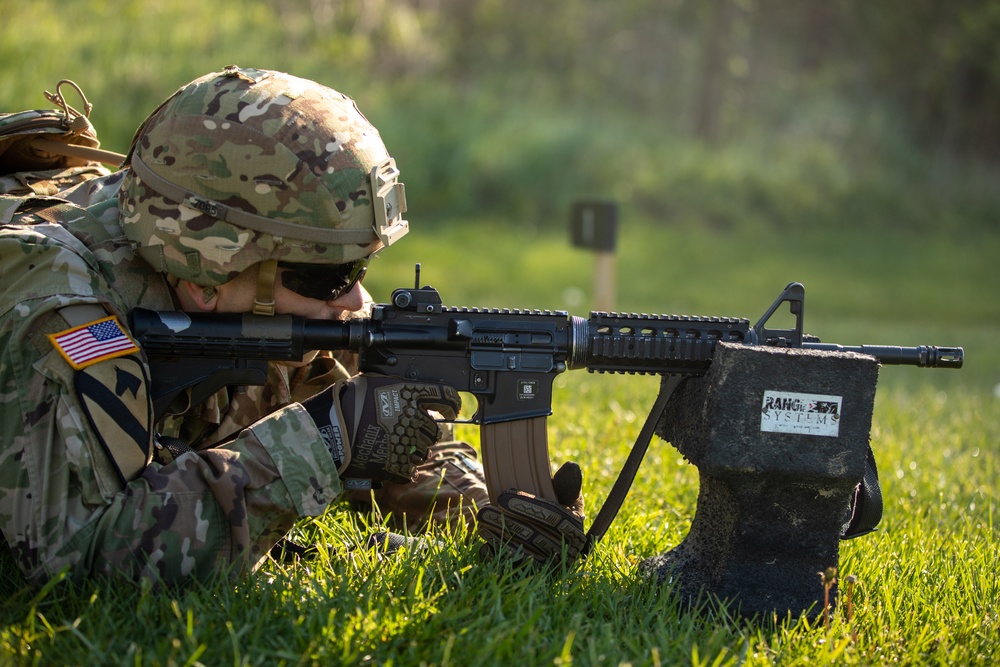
(95, 341)
(114, 395)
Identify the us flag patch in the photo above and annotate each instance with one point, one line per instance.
(89, 343)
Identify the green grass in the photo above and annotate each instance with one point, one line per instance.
(927, 589)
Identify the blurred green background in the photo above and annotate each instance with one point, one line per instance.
(851, 146)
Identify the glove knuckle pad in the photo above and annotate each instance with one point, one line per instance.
(533, 511)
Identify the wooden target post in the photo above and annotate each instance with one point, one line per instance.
(594, 226)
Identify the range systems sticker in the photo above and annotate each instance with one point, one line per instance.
(805, 414)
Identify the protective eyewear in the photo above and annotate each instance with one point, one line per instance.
(322, 281)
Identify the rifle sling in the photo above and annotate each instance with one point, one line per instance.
(621, 487)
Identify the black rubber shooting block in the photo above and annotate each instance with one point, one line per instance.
(779, 437)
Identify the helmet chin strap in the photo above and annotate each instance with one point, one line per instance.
(267, 275)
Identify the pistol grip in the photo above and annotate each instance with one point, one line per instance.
(516, 456)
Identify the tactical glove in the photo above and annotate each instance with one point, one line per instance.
(378, 428)
(521, 528)
(447, 490)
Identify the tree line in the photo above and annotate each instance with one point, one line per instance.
(713, 68)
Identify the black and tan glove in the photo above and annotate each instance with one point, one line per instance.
(378, 428)
(521, 528)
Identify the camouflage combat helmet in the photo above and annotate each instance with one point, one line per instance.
(246, 165)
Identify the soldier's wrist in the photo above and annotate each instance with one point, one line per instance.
(324, 408)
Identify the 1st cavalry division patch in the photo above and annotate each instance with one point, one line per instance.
(113, 394)
(96, 341)
(114, 397)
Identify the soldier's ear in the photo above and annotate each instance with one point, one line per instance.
(198, 297)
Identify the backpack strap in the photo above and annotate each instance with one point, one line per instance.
(46, 139)
(109, 158)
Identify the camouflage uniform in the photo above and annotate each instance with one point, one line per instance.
(62, 501)
(83, 483)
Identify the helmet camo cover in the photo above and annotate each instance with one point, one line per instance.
(246, 165)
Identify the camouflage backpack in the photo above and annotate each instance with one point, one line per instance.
(45, 151)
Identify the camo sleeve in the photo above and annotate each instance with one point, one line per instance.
(63, 503)
(213, 510)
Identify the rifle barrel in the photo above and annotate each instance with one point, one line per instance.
(923, 356)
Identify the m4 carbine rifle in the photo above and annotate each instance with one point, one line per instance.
(507, 359)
